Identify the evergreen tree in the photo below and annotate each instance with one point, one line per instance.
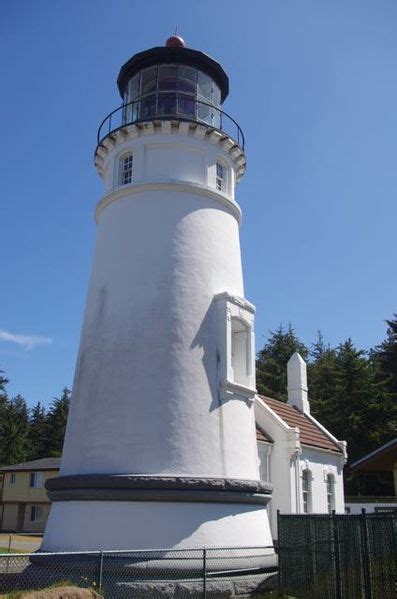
(56, 424)
(37, 432)
(321, 379)
(384, 359)
(271, 366)
(14, 431)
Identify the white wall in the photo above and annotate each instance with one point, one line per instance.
(320, 463)
(146, 395)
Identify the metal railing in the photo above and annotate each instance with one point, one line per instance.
(196, 573)
(168, 106)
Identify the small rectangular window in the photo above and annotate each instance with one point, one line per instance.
(330, 493)
(36, 513)
(219, 176)
(35, 480)
(306, 491)
(125, 175)
(13, 478)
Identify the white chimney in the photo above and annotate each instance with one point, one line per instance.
(297, 383)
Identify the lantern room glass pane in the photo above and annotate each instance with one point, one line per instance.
(216, 95)
(148, 106)
(187, 106)
(149, 80)
(133, 89)
(187, 78)
(166, 104)
(204, 87)
(168, 77)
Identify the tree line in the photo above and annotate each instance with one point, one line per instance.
(352, 392)
(30, 434)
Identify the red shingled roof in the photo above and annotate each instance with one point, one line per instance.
(310, 434)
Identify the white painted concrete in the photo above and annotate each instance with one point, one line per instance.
(297, 383)
(124, 525)
(147, 394)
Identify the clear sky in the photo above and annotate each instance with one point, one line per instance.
(313, 85)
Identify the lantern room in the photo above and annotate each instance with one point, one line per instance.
(173, 82)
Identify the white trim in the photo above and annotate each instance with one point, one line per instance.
(341, 444)
(194, 188)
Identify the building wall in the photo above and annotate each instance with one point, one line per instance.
(38, 525)
(10, 516)
(279, 465)
(320, 464)
(21, 490)
(18, 499)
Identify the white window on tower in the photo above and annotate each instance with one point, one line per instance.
(125, 169)
(330, 492)
(220, 177)
(307, 491)
(240, 352)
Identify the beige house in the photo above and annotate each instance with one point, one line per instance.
(24, 504)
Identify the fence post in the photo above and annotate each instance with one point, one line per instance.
(100, 570)
(338, 580)
(279, 582)
(9, 542)
(365, 556)
(204, 573)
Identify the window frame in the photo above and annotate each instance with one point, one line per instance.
(36, 480)
(13, 478)
(330, 487)
(122, 170)
(307, 492)
(228, 307)
(220, 179)
(36, 513)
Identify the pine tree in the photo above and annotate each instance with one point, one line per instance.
(37, 432)
(271, 366)
(321, 379)
(56, 424)
(14, 431)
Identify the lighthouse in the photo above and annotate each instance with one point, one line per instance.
(160, 447)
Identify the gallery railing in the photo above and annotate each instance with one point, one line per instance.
(169, 106)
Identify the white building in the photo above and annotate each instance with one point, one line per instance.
(298, 456)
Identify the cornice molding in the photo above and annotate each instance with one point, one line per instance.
(184, 187)
(185, 128)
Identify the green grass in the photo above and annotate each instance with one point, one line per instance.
(5, 550)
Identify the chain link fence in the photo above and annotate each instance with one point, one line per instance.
(335, 556)
(195, 573)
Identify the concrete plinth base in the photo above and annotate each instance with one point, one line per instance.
(109, 526)
(220, 588)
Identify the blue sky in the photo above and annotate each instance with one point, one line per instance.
(313, 85)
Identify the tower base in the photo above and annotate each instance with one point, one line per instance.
(135, 525)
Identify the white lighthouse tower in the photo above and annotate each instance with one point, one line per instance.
(160, 448)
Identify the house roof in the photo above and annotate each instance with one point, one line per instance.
(310, 433)
(380, 460)
(261, 435)
(43, 464)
